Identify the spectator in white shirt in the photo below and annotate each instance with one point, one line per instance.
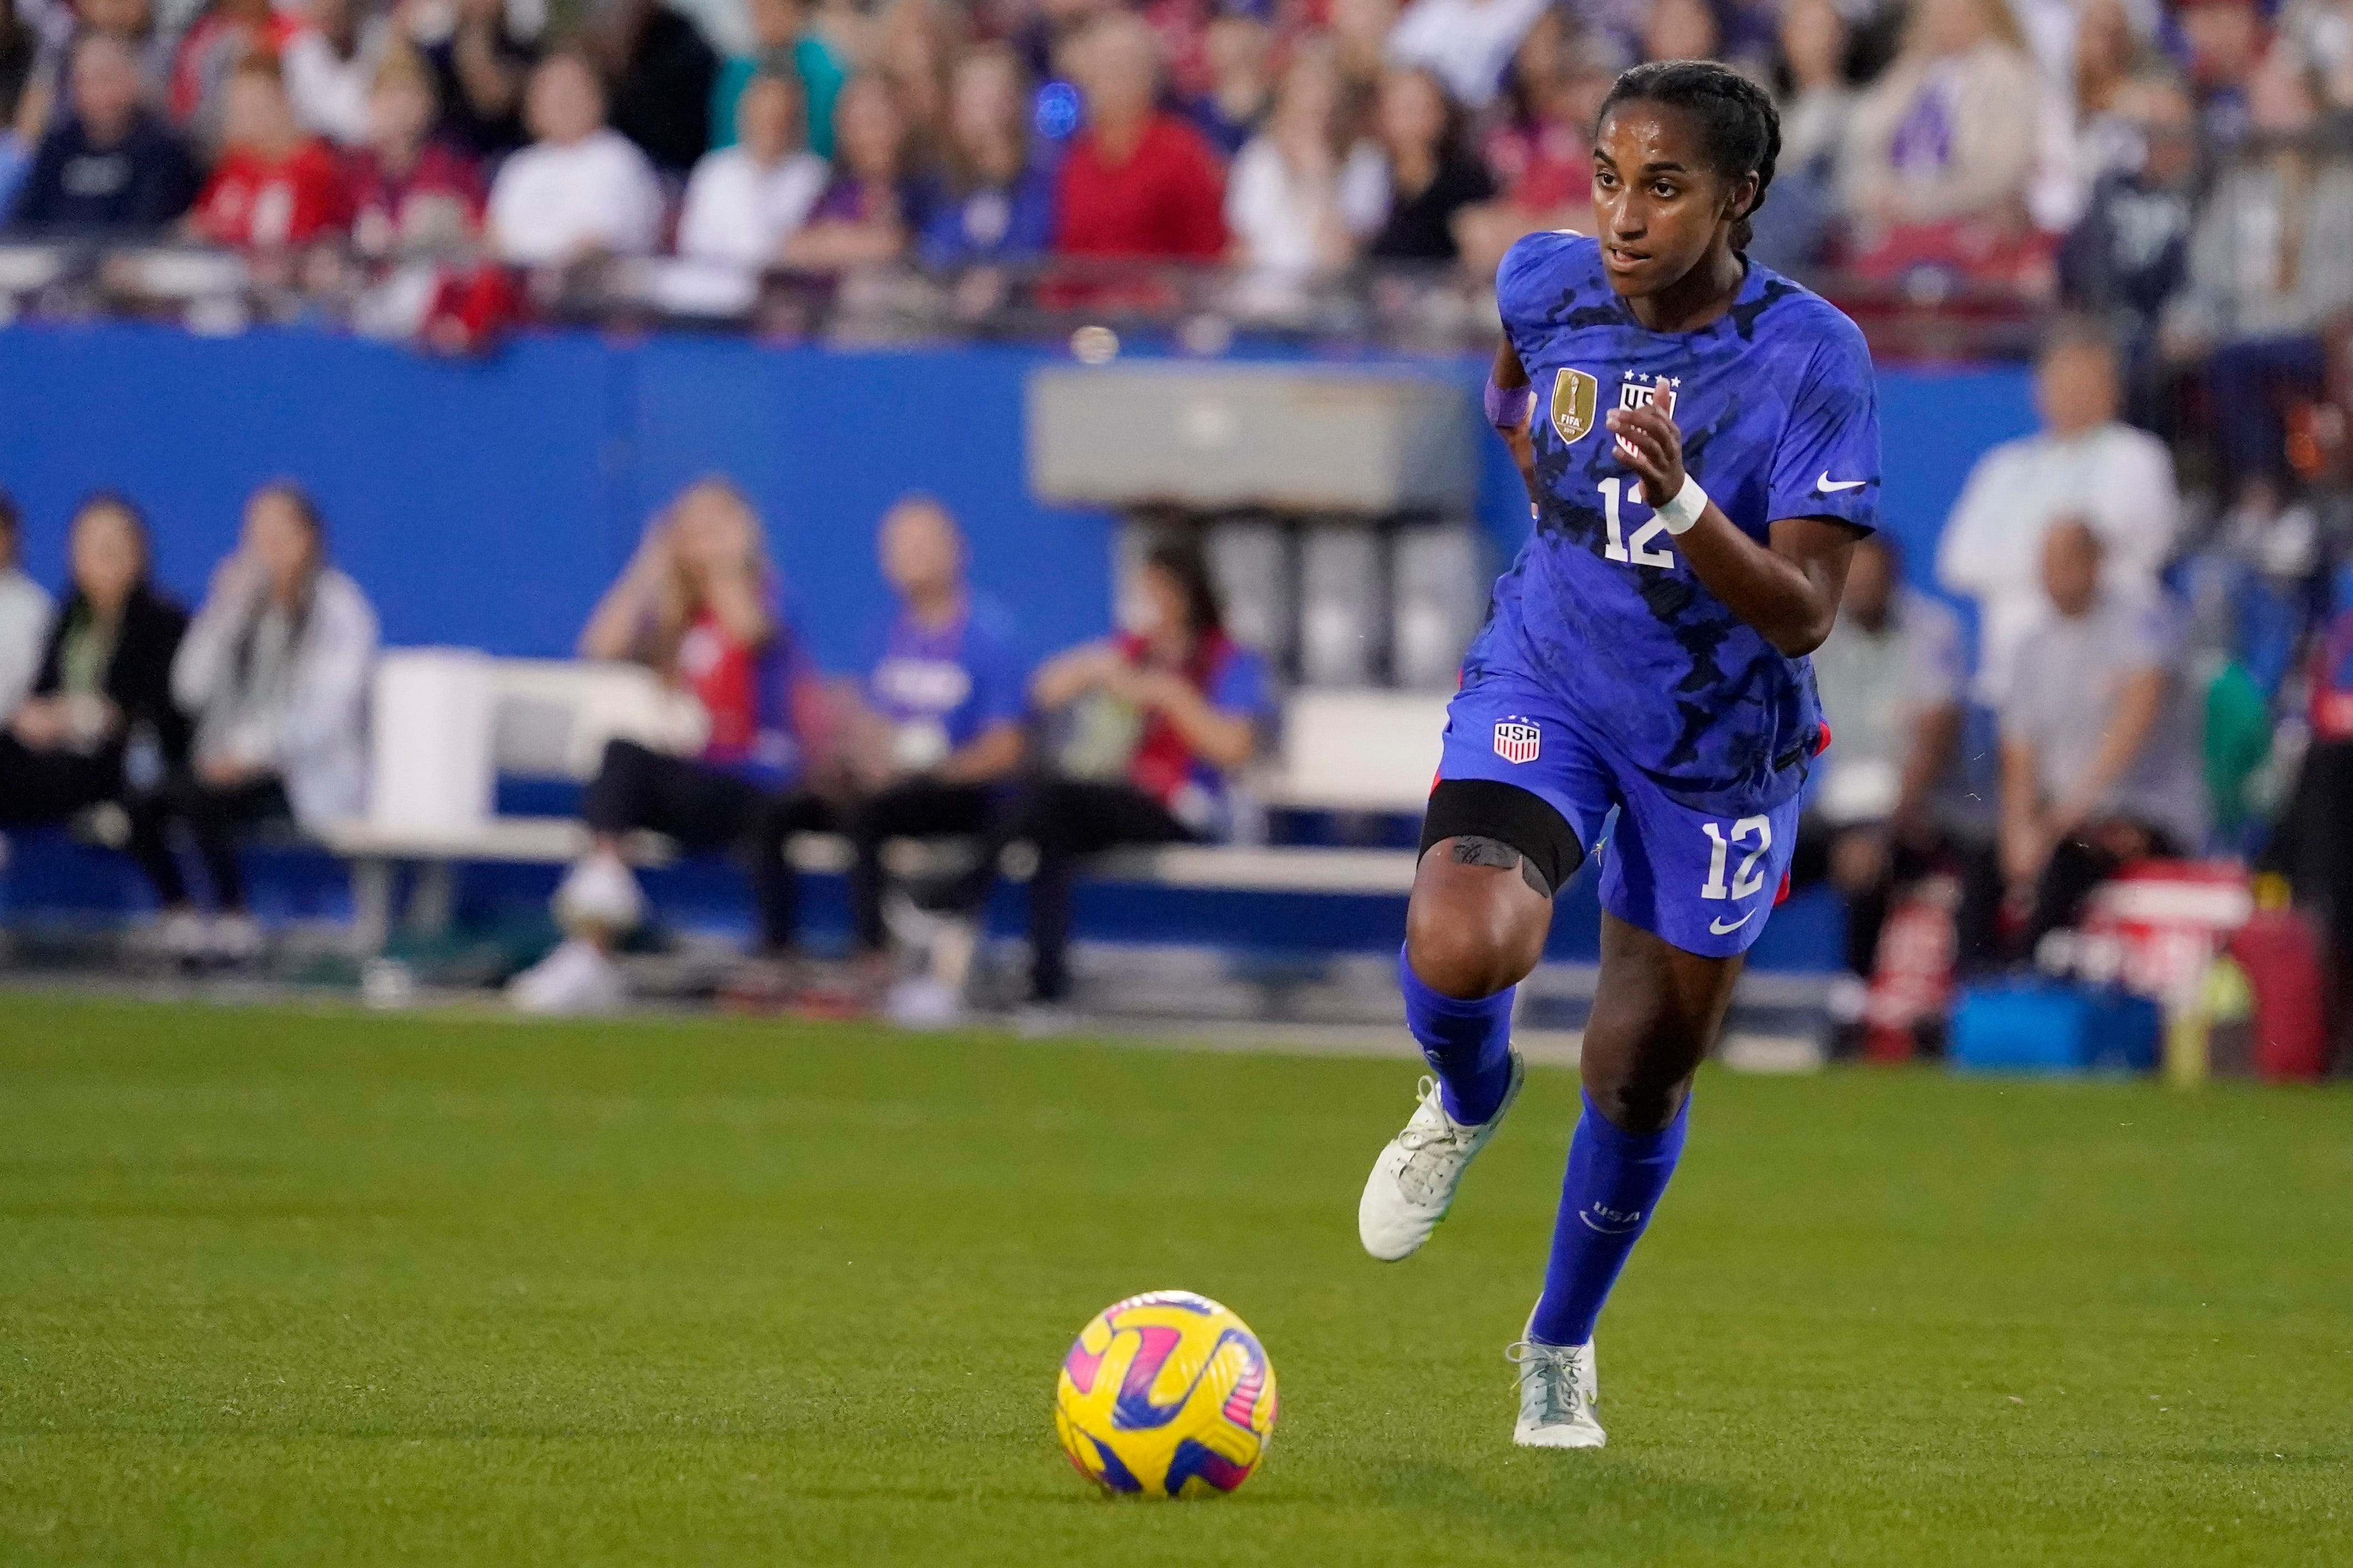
(274, 671)
(2085, 463)
(24, 617)
(1467, 43)
(746, 200)
(2100, 754)
(580, 189)
(1301, 199)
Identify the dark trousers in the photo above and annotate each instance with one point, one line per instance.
(2081, 862)
(2244, 383)
(49, 786)
(707, 808)
(916, 809)
(1066, 820)
(212, 816)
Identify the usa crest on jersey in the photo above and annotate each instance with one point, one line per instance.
(1517, 739)
(1639, 391)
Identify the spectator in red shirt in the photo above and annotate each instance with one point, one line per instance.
(274, 186)
(699, 604)
(1137, 182)
(408, 194)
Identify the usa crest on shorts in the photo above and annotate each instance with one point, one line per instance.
(1517, 739)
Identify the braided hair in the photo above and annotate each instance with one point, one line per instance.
(1744, 128)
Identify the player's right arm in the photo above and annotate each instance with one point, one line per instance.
(1518, 401)
(1527, 282)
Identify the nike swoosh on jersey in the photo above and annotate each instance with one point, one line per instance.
(1828, 489)
(1717, 927)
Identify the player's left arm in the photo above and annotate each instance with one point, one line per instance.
(1788, 590)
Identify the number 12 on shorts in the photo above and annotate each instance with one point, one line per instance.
(1748, 878)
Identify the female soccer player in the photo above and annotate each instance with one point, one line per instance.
(1704, 456)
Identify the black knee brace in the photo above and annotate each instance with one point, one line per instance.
(1508, 815)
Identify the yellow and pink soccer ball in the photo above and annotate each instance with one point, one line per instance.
(1165, 1395)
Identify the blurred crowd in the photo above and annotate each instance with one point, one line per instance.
(178, 737)
(2172, 174)
(2171, 164)
(2156, 678)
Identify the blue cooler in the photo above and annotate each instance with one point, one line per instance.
(2038, 1025)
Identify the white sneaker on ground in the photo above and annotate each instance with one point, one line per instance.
(921, 1002)
(599, 894)
(1558, 1390)
(183, 935)
(1413, 1182)
(577, 977)
(1044, 1020)
(234, 939)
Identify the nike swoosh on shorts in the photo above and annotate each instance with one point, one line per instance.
(1717, 927)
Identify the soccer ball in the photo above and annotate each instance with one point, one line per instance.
(1165, 1395)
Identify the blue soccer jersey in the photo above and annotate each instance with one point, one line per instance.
(1779, 418)
(1607, 676)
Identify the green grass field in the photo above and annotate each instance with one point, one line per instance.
(285, 1287)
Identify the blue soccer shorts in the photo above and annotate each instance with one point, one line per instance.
(1704, 883)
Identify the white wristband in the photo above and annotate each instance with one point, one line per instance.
(1684, 508)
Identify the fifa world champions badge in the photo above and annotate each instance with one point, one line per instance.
(1575, 395)
(1517, 739)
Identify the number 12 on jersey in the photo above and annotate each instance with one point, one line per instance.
(1638, 551)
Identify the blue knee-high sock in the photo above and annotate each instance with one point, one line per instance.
(1466, 1043)
(1614, 1181)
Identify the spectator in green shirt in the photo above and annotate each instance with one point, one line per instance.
(782, 42)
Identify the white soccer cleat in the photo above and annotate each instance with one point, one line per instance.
(577, 977)
(1558, 1393)
(1413, 1182)
(234, 938)
(599, 894)
(184, 936)
(921, 1002)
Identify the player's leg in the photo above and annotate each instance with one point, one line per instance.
(1684, 895)
(1475, 927)
(1499, 839)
